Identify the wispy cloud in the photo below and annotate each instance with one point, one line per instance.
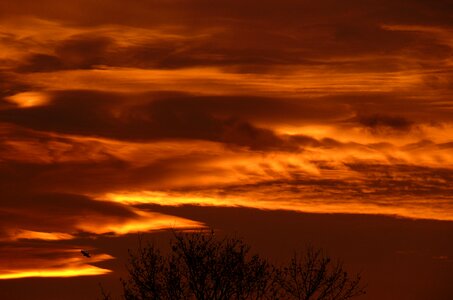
(326, 107)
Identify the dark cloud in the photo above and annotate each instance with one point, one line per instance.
(77, 52)
(83, 51)
(377, 184)
(395, 109)
(64, 204)
(382, 124)
(105, 175)
(222, 119)
(72, 112)
(52, 212)
(233, 120)
(288, 11)
(41, 63)
(245, 37)
(244, 48)
(214, 118)
(9, 85)
(402, 181)
(87, 176)
(422, 145)
(446, 145)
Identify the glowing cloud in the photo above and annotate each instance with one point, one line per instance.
(47, 236)
(55, 263)
(143, 222)
(408, 208)
(28, 99)
(81, 271)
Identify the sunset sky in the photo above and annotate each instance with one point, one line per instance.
(288, 122)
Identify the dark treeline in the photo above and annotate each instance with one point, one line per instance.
(201, 266)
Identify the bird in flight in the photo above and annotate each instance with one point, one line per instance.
(85, 253)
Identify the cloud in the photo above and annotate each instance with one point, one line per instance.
(402, 191)
(257, 123)
(76, 52)
(110, 115)
(246, 38)
(73, 215)
(382, 124)
(9, 86)
(41, 63)
(108, 110)
(34, 260)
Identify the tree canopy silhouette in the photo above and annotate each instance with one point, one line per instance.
(201, 266)
(313, 276)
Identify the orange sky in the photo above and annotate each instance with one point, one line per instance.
(112, 109)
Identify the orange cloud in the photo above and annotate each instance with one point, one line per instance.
(28, 99)
(408, 208)
(56, 272)
(143, 222)
(109, 110)
(47, 236)
(41, 262)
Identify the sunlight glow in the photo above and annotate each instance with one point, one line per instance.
(28, 99)
(82, 271)
(71, 265)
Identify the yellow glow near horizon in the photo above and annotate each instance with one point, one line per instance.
(70, 266)
(82, 271)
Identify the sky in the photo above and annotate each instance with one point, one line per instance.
(291, 121)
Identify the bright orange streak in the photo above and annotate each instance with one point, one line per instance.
(48, 236)
(408, 209)
(71, 266)
(82, 271)
(162, 198)
(144, 222)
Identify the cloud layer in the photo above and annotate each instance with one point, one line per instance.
(323, 106)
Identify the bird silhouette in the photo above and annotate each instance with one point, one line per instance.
(85, 253)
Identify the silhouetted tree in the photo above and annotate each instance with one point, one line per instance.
(314, 276)
(200, 266)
